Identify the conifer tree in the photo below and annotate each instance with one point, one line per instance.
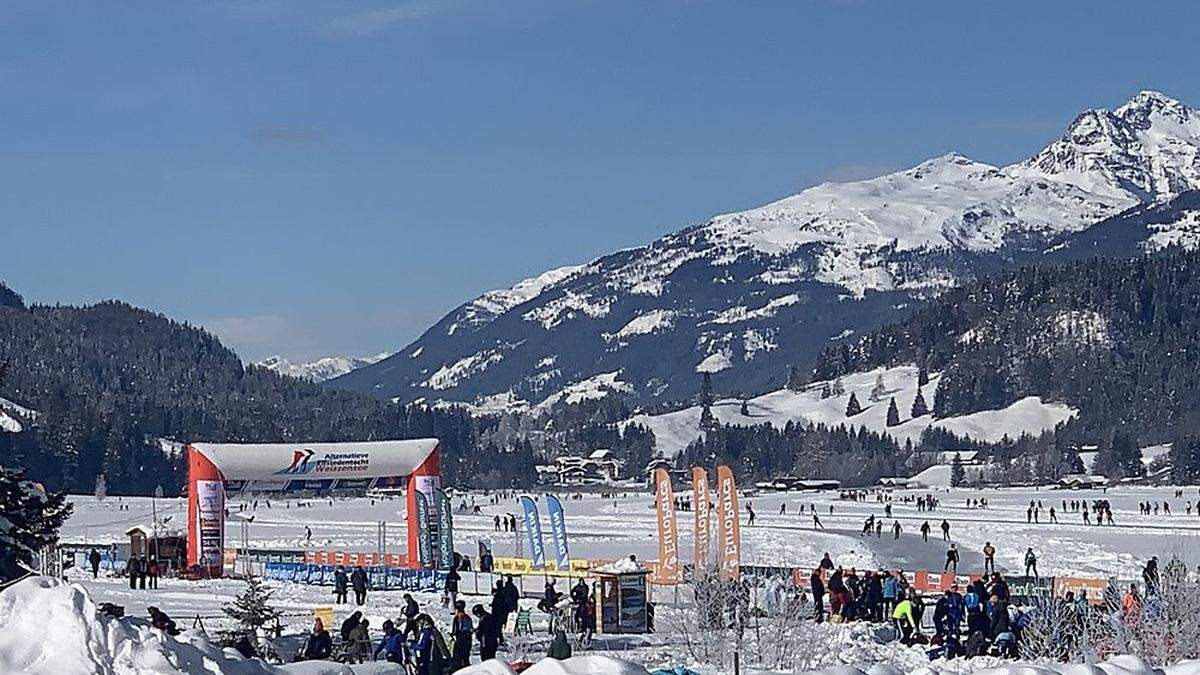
(919, 407)
(838, 388)
(826, 392)
(250, 611)
(745, 409)
(957, 475)
(853, 407)
(922, 377)
(29, 520)
(893, 414)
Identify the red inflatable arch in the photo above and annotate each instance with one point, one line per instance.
(215, 468)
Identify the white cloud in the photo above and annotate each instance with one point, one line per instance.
(372, 21)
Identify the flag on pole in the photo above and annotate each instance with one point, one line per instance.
(558, 531)
(668, 534)
(533, 530)
(730, 528)
(703, 538)
(445, 532)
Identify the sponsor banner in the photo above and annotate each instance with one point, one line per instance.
(1022, 588)
(729, 528)
(533, 530)
(235, 486)
(445, 532)
(703, 517)
(352, 484)
(390, 482)
(315, 485)
(210, 521)
(558, 531)
(325, 614)
(1092, 589)
(668, 534)
(519, 566)
(424, 536)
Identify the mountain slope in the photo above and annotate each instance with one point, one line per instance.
(1116, 339)
(748, 294)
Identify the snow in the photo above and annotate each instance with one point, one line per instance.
(11, 415)
(673, 431)
(568, 307)
(9, 423)
(645, 324)
(594, 387)
(714, 363)
(492, 304)
(740, 313)
(1184, 233)
(451, 375)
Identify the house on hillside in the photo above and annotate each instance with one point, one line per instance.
(1082, 481)
(599, 467)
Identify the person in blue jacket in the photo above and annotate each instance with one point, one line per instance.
(891, 588)
(391, 645)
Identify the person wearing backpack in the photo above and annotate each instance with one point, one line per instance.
(462, 630)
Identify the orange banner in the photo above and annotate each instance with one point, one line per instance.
(703, 539)
(729, 527)
(668, 529)
(1093, 589)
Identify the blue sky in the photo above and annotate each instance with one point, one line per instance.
(331, 177)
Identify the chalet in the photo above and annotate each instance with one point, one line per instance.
(1082, 481)
(598, 467)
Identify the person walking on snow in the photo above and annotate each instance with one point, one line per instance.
(989, 558)
(340, 581)
(945, 530)
(750, 514)
(925, 531)
(358, 580)
(951, 559)
(896, 530)
(817, 522)
(94, 561)
(1030, 562)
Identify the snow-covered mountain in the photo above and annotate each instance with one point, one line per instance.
(747, 295)
(322, 369)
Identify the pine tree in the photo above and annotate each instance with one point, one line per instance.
(838, 387)
(826, 392)
(745, 409)
(919, 407)
(30, 520)
(853, 407)
(879, 389)
(250, 611)
(957, 475)
(706, 390)
(793, 379)
(922, 377)
(707, 421)
(893, 414)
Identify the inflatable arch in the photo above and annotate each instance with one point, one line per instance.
(215, 468)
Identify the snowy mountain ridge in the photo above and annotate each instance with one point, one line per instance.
(749, 294)
(322, 369)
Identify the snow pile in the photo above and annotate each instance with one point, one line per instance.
(1117, 665)
(592, 664)
(622, 566)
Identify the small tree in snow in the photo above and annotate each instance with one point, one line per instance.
(251, 612)
(879, 390)
(922, 377)
(838, 388)
(853, 407)
(893, 413)
(826, 391)
(745, 409)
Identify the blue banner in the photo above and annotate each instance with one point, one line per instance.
(558, 531)
(533, 529)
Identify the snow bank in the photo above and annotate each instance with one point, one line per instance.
(576, 665)
(1118, 665)
(53, 628)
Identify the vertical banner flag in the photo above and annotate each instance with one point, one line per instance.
(702, 540)
(730, 528)
(445, 532)
(558, 532)
(533, 529)
(668, 529)
(425, 536)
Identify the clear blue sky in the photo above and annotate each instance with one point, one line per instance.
(331, 177)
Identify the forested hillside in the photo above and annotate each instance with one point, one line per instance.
(105, 382)
(1117, 339)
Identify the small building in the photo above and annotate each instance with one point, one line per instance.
(599, 467)
(168, 546)
(621, 602)
(1082, 481)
